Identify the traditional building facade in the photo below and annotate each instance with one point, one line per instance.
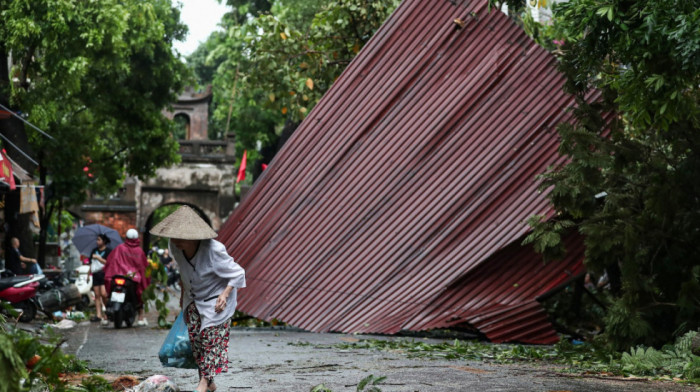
(204, 179)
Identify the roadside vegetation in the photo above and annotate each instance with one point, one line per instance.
(629, 185)
(34, 361)
(672, 362)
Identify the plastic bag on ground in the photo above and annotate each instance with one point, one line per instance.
(176, 350)
(65, 324)
(157, 383)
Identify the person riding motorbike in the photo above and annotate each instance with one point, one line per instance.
(129, 259)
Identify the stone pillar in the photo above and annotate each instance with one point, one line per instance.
(230, 145)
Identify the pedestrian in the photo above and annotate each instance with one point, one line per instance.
(209, 279)
(170, 267)
(18, 263)
(129, 259)
(98, 259)
(165, 258)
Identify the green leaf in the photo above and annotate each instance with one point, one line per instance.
(602, 11)
(320, 388)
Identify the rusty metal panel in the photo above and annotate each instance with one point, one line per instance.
(399, 203)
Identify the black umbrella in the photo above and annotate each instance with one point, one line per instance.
(85, 238)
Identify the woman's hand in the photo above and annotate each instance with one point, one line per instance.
(220, 303)
(221, 300)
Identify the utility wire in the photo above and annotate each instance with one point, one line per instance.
(26, 122)
(19, 149)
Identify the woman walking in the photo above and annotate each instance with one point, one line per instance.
(209, 279)
(98, 259)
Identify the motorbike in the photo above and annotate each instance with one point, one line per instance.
(20, 291)
(53, 278)
(56, 293)
(123, 302)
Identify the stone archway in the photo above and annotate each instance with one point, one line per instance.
(182, 126)
(204, 179)
(207, 186)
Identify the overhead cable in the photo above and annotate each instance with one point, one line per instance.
(26, 122)
(19, 149)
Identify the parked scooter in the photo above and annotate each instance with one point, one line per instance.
(58, 299)
(20, 291)
(82, 278)
(53, 278)
(56, 293)
(123, 303)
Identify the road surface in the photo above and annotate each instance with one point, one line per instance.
(285, 359)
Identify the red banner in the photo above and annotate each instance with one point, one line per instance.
(6, 171)
(241, 169)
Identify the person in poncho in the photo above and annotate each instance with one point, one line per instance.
(128, 259)
(209, 282)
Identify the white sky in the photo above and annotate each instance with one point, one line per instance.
(201, 17)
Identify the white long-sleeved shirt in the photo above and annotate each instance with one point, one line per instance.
(205, 276)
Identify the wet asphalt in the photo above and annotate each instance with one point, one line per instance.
(288, 359)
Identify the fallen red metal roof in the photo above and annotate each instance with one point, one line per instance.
(401, 200)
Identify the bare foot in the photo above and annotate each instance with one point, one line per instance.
(202, 387)
(211, 387)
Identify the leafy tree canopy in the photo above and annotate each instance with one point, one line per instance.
(630, 185)
(95, 75)
(273, 65)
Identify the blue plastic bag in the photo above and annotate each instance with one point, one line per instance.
(176, 350)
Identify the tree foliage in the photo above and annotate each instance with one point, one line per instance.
(32, 361)
(94, 75)
(273, 66)
(294, 66)
(630, 185)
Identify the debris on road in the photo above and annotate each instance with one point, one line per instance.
(65, 324)
(157, 383)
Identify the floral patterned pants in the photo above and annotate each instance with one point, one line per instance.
(210, 346)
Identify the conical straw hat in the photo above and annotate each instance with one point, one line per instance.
(184, 224)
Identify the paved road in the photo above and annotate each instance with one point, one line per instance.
(291, 360)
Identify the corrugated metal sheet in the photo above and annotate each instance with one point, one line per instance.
(400, 202)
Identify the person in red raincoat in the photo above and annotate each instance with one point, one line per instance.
(128, 259)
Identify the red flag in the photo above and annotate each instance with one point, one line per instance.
(241, 169)
(264, 166)
(6, 171)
